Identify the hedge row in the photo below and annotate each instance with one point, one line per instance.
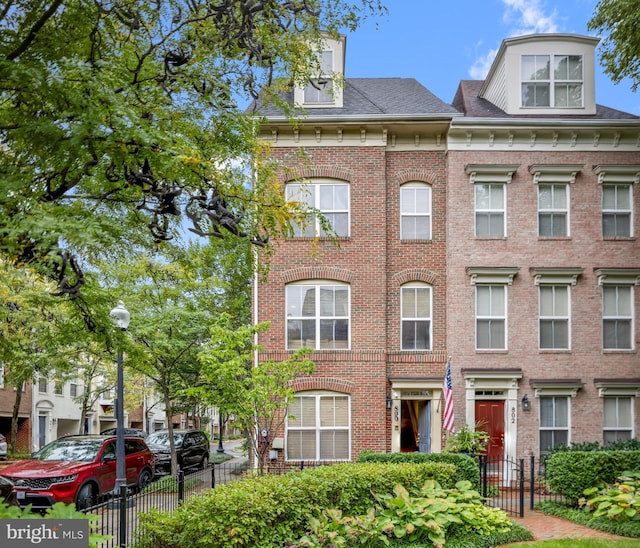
(466, 466)
(571, 472)
(273, 510)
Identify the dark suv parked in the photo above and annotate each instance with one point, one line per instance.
(192, 449)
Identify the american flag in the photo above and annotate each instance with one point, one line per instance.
(448, 422)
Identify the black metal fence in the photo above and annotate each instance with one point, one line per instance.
(509, 484)
(515, 484)
(117, 515)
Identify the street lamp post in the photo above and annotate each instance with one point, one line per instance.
(220, 425)
(120, 316)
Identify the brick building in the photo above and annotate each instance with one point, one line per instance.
(454, 222)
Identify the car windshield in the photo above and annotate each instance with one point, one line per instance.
(162, 438)
(70, 450)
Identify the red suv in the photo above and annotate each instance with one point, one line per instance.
(78, 469)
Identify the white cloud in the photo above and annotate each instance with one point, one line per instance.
(521, 17)
(481, 67)
(529, 17)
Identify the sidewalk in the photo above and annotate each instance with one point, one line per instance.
(546, 527)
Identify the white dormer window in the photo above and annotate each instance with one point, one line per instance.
(320, 90)
(324, 89)
(552, 80)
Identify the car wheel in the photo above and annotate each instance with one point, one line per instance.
(144, 479)
(204, 463)
(86, 497)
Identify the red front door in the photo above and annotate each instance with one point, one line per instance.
(490, 418)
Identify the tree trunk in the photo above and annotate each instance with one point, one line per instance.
(14, 419)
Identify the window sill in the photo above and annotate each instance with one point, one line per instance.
(490, 238)
(554, 238)
(619, 351)
(415, 241)
(491, 351)
(618, 239)
(554, 351)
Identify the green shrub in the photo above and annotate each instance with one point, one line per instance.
(466, 466)
(620, 501)
(58, 511)
(569, 473)
(271, 510)
(426, 519)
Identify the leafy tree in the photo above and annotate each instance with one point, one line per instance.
(257, 395)
(620, 21)
(121, 120)
(172, 302)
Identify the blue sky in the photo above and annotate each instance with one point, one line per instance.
(440, 42)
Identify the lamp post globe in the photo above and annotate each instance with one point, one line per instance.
(120, 317)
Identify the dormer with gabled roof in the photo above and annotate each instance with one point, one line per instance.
(326, 89)
(543, 74)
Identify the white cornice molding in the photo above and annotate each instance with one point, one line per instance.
(617, 173)
(555, 275)
(555, 173)
(491, 173)
(492, 275)
(618, 276)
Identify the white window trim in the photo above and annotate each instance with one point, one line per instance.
(618, 428)
(312, 186)
(567, 318)
(618, 210)
(316, 284)
(317, 394)
(554, 428)
(417, 184)
(504, 318)
(619, 174)
(556, 175)
(420, 285)
(552, 81)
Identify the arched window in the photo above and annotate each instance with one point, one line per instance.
(319, 426)
(329, 197)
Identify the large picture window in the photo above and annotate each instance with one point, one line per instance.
(552, 81)
(415, 212)
(318, 427)
(416, 316)
(318, 315)
(331, 199)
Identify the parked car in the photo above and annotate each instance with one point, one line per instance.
(3, 447)
(127, 432)
(77, 469)
(192, 449)
(6, 491)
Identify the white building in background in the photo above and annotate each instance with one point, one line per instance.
(56, 411)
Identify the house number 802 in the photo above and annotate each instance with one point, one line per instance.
(513, 415)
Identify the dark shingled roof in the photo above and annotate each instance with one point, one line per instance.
(364, 97)
(467, 100)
